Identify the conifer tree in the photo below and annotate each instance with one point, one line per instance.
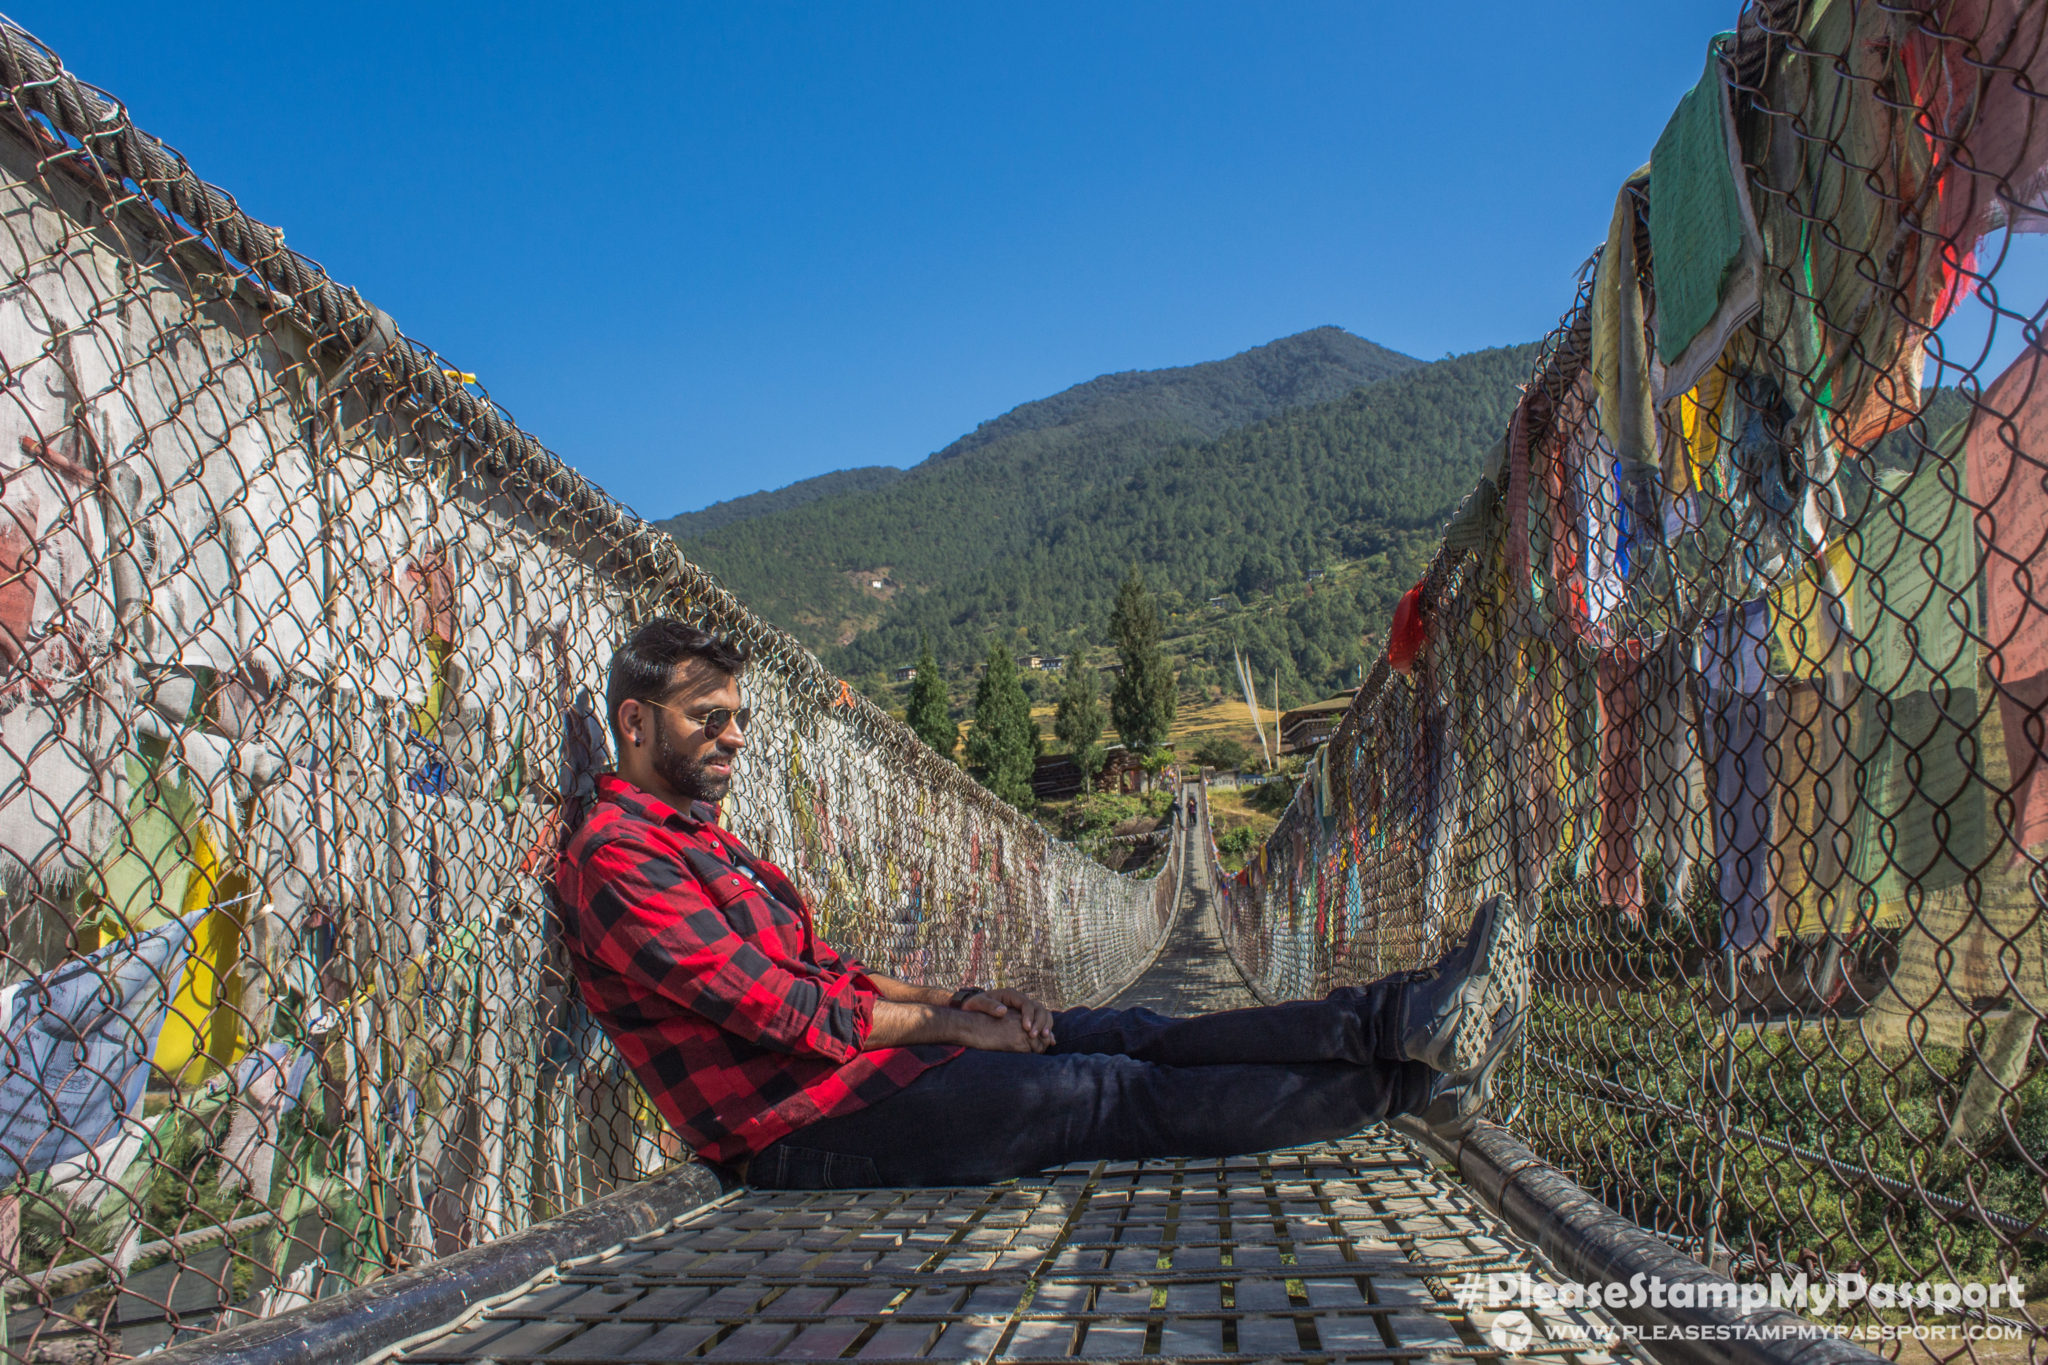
(1080, 716)
(1002, 748)
(930, 715)
(1143, 702)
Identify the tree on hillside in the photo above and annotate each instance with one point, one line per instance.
(1259, 571)
(1142, 703)
(1080, 716)
(1225, 753)
(1002, 748)
(930, 714)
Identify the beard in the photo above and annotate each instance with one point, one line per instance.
(688, 778)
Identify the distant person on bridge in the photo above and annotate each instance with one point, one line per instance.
(775, 1056)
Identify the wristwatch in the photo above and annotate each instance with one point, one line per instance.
(965, 994)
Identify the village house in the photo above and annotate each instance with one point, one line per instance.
(1306, 727)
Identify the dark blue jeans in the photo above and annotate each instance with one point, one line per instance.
(1119, 1085)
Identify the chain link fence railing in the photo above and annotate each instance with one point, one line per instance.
(1732, 672)
(302, 657)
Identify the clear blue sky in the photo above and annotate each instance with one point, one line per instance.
(701, 249)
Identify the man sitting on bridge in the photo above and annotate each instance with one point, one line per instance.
(771, 1054)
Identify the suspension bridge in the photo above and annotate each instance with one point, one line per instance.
(1730, 672)
(1349, 1251)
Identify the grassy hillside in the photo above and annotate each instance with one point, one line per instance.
(1306, 639)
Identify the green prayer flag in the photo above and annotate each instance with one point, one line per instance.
(1920, 811)
(1696, 216)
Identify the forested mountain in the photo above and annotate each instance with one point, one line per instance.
(1207, 399)
(1372, 474)
(1023, 533)
(1123, 418)
(690, 525)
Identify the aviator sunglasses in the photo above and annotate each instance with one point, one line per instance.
(715, 720)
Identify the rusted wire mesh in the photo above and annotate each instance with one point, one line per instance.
(302, 652)
(1733, 671)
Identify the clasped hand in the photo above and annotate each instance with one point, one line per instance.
(1014, 1022)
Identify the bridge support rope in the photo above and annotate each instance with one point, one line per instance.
(1354, 1250)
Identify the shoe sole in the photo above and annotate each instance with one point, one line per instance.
(1477, 1099)
(1503, 984)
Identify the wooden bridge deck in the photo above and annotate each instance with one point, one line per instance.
(1344, 1251)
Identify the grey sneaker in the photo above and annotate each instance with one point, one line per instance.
(1461, 1015)
(1456, 1103)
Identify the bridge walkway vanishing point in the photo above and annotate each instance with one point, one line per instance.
(1342, 1251)
(1192, 974)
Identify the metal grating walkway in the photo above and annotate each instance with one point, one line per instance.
(1346, 1251)
(1342, 1252)
(1192, 974)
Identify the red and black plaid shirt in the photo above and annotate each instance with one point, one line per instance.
(741, 1022)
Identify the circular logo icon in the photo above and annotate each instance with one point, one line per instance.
(1512, 1332)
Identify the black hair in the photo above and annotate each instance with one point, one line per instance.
(644, 668)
